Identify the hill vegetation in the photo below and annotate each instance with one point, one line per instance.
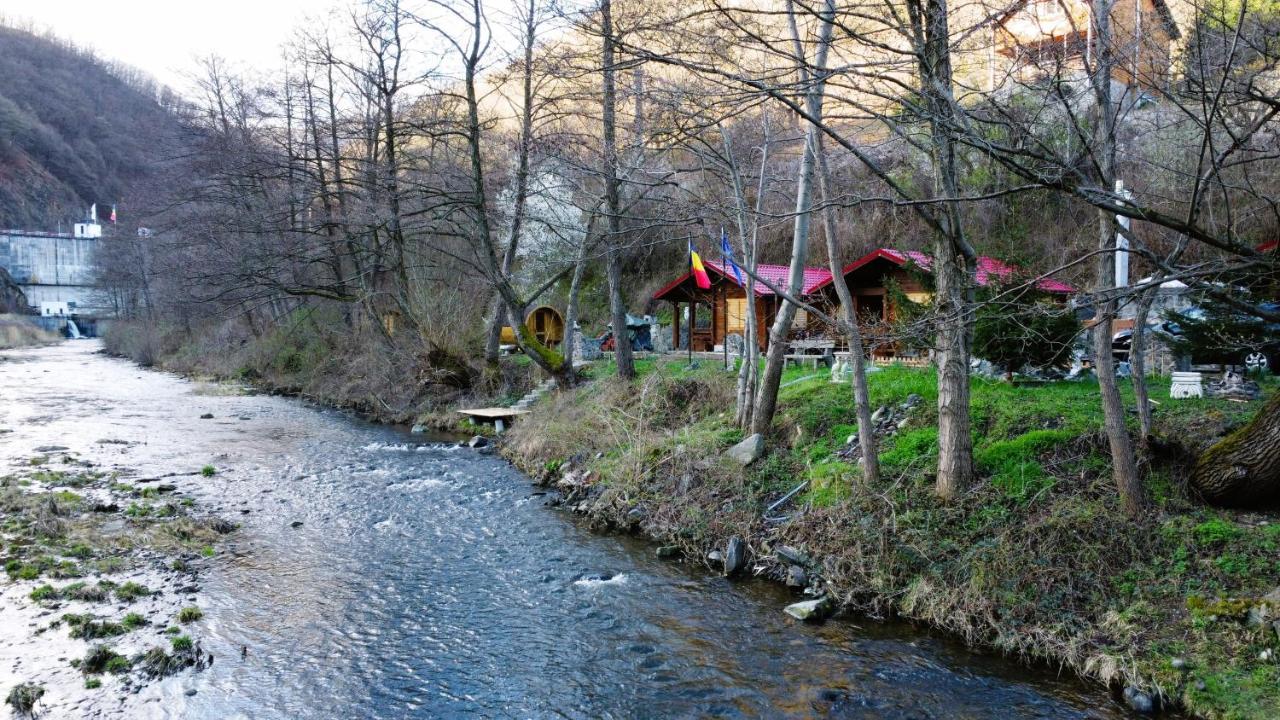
(75, 130)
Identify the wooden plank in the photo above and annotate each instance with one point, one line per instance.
(493, 413)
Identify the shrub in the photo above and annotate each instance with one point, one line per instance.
(190, 614)
(23, 698)
(1022, 330)
(100, 659)
(131, 591)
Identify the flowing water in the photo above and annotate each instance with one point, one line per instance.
(427, 580)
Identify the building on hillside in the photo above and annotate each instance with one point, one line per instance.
(871, 277)
(720, 311)
(1043, 37)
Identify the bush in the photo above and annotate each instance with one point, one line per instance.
(23, 698)
(131, 591)
(100, 659)
(1020, 330)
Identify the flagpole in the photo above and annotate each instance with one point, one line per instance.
(689, 320)
(724, 262)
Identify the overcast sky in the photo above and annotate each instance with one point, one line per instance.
(163, 37)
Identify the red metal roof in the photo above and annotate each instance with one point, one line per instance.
(988, 268)
(774, 274)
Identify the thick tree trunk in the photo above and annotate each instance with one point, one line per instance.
(952, 257)
(613, 259)
(1243, 469)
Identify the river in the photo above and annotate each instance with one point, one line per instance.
(426, 580)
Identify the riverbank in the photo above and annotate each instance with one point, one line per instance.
(318, 359)
(1036, 560)
(16, 332)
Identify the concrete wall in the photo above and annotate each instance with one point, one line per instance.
(51, 267)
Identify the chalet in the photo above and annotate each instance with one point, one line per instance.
(870, 277)
(1039, 36)
(721, 310)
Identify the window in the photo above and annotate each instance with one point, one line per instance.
(736, 315)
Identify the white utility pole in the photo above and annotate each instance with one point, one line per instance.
(1122, 239)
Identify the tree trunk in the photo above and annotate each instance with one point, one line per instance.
(1243, 469)
(952, 257)
(767, 396)
(1124, 467)
(613, 260)
(861, 395)
(1138, 366)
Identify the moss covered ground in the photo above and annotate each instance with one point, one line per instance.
(1035, 559)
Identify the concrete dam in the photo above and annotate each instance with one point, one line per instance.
(53, 269)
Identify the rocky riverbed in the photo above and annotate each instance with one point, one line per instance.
(103, 586)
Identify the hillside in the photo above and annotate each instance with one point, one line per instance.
(73, 131)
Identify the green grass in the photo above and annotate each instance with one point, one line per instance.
(130, 591)
(190, 614)
(208, 471)
(1035, 558)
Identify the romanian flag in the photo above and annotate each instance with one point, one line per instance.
(699, 272)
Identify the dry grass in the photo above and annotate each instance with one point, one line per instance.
(17, 332)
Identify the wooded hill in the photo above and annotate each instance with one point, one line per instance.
(74, 130)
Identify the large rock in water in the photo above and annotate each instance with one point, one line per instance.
(747, 451)
(811, 610)
(735, 556)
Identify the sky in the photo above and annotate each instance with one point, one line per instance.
(164, 37)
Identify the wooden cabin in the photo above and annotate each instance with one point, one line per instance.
(721, 310)
(870, 276)
(545, 322)
(1040, 36)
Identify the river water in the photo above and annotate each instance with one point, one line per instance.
(427, 581)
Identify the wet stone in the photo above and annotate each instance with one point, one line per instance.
(735, 556)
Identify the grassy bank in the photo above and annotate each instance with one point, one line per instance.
(1035, 560)
(316, 356)
(16, 332)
